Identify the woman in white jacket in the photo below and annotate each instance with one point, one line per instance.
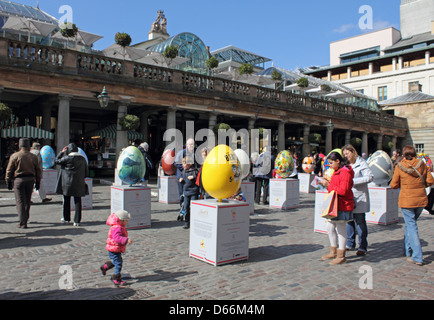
(362, 176)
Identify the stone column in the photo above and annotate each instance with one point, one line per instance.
(46, 121)
(348, 137)
(394, 141)
(62, 129)
(121, 135)
(281, 136)
(380, 142)
(365, 143)
(212, 120)
(427, 57)
(306, 145)
(329, 135)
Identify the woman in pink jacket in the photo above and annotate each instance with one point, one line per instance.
(116, 244)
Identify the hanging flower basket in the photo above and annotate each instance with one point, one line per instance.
(5, 112)
(220, 126)
(129, 122)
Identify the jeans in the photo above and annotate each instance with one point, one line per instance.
(359, 224)
(412, 244)
(116, 259)
(187, 201)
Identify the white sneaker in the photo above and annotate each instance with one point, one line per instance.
(76, 224)
(64, 221)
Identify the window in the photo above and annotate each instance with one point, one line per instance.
(420, 147)
(382, 93)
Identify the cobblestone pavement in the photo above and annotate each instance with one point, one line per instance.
(284, 258)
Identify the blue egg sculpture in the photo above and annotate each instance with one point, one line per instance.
(81, 152)
(48, 157)
(131, 165)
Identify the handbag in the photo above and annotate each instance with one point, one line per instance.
(329, 208)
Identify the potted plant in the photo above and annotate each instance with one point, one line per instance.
(303, 82)
(68, 30)
(246, 68)
(170, 53)
(129, 122)
(356, 142)
(325, 87)
(123, 39)
(212, 63)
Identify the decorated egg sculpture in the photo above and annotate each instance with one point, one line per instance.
(48, 157)
(244, 162)
(81, 152)
(308, 164)
(284, 164)
(381, 166)
(168, 162)
(221, 173)
(427, 160)
(131, 165)
(327, 170)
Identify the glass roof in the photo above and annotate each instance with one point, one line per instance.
(232, 53)
(15, 9)
(189, 46)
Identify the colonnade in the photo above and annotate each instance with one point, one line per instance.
(63, 122)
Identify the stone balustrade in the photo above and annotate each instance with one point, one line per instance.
(81, 63)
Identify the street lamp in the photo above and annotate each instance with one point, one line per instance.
(104, 99)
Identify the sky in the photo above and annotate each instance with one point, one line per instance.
(291, 33)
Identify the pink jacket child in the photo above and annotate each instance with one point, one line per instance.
(118, 235)
(116, 244)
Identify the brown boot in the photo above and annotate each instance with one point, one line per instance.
(331, 255)
(340, 258)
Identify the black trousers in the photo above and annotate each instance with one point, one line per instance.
(67, 209)
(23, 188)
(259, 183)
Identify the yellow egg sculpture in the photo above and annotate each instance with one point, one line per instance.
(221, 173)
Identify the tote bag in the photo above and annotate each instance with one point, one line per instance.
(329, 209)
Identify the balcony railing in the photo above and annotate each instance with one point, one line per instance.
(89, 64)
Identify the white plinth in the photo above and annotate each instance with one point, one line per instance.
(49, 181)
(168, 189)
(86, 202)
(248, 189)
(135, 200)
(305, 182)
(384, 205)
(319, 222)
(284, 193)
(219, 231)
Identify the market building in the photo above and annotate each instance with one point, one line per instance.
(53, 84)
(389, 64)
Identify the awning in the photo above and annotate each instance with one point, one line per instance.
(110, 132)
(27, 132)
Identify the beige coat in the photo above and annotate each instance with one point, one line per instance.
(412, 194)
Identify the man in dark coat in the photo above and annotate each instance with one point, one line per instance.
(71, 181)
(22, 173)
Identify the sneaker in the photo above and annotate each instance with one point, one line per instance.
(76, 224)
(64, 221)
